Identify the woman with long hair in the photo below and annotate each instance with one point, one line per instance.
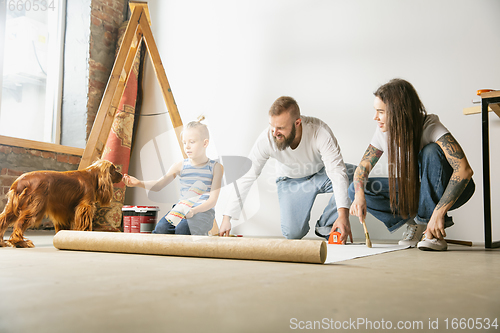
(428, 173)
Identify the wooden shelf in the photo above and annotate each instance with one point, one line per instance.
(477, 109)
(492, 107)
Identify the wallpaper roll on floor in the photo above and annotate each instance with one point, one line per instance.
(305, 251)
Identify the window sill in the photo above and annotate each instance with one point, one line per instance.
(30, 144)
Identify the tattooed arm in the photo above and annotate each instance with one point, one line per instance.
(462, 173)
(370, 158)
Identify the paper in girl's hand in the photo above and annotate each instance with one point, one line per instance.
(178, 213)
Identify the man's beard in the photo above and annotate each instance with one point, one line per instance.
(284, 144)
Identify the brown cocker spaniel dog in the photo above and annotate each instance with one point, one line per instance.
(68, 198)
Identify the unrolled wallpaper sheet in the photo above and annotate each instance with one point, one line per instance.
(349, 251)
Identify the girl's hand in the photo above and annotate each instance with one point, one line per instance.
(190, 214)
(130, 181)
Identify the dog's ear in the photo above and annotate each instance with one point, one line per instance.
(104, 182)
(116, 175)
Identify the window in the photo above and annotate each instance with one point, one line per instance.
(31, 48)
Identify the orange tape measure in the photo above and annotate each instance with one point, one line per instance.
(334, 238)
(481, 91)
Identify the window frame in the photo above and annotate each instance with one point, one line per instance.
(55, 84)
(39, 145)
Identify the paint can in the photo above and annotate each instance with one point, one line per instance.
(139, 219)
(127, 213)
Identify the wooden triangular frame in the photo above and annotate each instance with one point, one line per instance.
(138, 29)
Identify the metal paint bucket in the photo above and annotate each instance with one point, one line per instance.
(139, 219)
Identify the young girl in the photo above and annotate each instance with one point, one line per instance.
(428, 171)
(197, 174)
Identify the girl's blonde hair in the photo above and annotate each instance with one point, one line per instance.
(202, 128)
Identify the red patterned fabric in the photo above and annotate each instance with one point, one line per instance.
(118, 146)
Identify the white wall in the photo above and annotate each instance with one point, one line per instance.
(231, 59)
(76, 74)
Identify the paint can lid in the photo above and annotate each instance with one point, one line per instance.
(143, 209)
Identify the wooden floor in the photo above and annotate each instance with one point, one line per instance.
(49, 290)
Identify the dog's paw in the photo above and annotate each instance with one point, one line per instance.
(4, 244)
(21, 244)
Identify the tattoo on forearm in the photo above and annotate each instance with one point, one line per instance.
(451, 147)
(371, 156)
(455, 157)
(453, 191)
(360, 177)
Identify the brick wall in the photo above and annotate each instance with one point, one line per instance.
(14, 161)
(106, 18)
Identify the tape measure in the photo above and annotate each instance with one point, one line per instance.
(481, 91)
(334, 237)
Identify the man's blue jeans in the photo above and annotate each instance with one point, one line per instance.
(435, 173)
(199, 224)
(296, 197)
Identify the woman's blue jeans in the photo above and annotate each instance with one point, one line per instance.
(296, 198)
(435, 173)
(199, 224)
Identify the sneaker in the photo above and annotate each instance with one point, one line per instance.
(413, 234)
(434, 244)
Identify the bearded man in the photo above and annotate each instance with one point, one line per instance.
(309, 163)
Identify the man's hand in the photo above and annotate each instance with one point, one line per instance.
(225, 226)
(343, 224)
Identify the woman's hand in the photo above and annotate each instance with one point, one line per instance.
(358, 208)
(435, 227)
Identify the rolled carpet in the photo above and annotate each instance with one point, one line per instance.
(291, 250)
